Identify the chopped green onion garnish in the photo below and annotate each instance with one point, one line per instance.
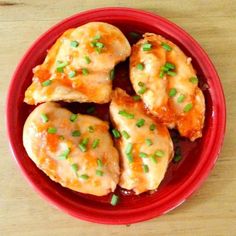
(169, 65)
(114, 200)
(166, 46)
(129, 148)
(83, 145)
(99, 173)
(154, 159)
(134, 35)
(171, 73)
(152, 127)
(145, 168)
(143, 155)
(165, 69)
(148, 142)
(52, 130)
(72, 74)
(115, 133)
(172, 92)
(142, 90)
(136, 98)
(99, 45)
(44, 118)
(46, 83)
(141, 84)
(84, 176)
(159, 153)
(193, 80)
(90, 129)
(74, 44)
(130, 158)
(85, 141)
(85, 71)
(61, 65)
(98, 50)
(97, 37)
(112, 74)
(74, 167)
(140, 66)
(95, 143)
(140, 123)
(188, 107)
(99, 163)
(90, 110)
(161, 75)
(177, 158)
(76, 133)
(65, 154)
(126, 114)
(180, 98)
(147, 47)
(82, 148)
(73, 117)
(125, 134)
(87, 59)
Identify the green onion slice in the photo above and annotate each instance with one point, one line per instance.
(152, 127)
(145, 168)
(84, 177)
(52, 130)
(114, 200)
(129, 148)
(147, 46)
(143, 155)
(180, 98)
(73, 117)
(74, 44)
(140, 123)
(148, 142)
(172, 92)
(95, 143)
(140, 66)
(112, 74)
(44, 118)
(159, 153)
(188, 107)
(166, 46)
(99, 173)
(125, 134)
(76, 133)
(115, 133)
(126, 114)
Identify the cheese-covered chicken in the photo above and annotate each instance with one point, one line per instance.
(165, 79)
(72, 149)
(144, 144)
(79, 66)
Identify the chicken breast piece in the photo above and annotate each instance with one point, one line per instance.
(145, 146)
(72, 149)
(79, 66)
(165, 79)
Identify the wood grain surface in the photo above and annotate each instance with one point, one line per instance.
(211, 210)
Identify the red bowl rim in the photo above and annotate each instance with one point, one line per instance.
(148, 212)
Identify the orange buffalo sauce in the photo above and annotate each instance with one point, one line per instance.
(52, 141)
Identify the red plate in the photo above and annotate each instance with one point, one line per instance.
(181, 180)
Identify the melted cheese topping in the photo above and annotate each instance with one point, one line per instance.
(95, 171)
(169, 109)
(133, 175)
(90, 52)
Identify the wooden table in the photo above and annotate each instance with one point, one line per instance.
(210, 211)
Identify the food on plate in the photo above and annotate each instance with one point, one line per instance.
(166, 81)
(74, 150)
(144, 144)
(79, 67)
